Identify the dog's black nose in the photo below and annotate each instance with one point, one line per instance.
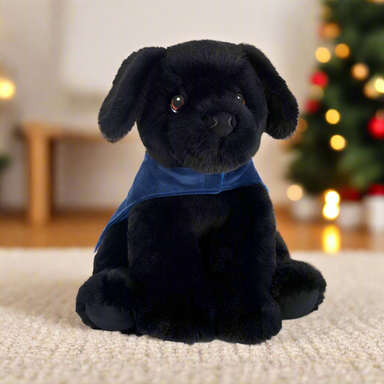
(222, 123)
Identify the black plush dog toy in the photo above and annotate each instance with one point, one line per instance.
(193, 253)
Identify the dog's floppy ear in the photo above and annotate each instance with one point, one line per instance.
(125, 101)
(282, 106)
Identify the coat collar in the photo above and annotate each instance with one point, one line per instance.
(154, 180)
(186, 179)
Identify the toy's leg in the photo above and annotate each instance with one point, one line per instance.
(113, 251)
(103, 301)
(241, 270)
(297, 287)
(174, 301)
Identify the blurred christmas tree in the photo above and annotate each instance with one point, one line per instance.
(340, 139)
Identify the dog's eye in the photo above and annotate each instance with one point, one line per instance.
(240, 97)
(177, 102)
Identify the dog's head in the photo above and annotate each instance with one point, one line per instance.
(202, 104)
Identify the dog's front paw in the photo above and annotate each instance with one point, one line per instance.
(103, 301)
(298, 288)
(178, 322)
(247, 327)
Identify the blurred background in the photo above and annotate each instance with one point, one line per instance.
(60, 182)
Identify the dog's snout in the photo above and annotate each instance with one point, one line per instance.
(222, 123)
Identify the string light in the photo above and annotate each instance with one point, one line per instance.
(331, 208)
(332, 116)
(330, 31)
(323, 54)
(332, 197)
(302, 125)
(317, 92)
(370, 90)
(360, 71)
(342, 51)
(330, 212)
(7, 89)
(293, 140)
(295, 192)
(379, 84)
(338, 143)
(331, 239)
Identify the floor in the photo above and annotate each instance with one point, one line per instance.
(42, 340)
(74, 229)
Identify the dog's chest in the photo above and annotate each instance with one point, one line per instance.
(207, 213)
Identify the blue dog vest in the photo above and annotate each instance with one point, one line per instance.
(153, 180)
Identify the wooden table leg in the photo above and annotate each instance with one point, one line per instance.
(39, 169)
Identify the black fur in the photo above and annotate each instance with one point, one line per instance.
(199, 267)
(282, 106)
(209, 75)
(124, 103)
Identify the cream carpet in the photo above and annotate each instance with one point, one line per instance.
(43, 341)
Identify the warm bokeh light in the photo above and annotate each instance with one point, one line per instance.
(338, 142)
(7, 89)
(379, 84)
(332, 116)
(331, 239)
(332, 197)
(317, 92)
(323, 54)
(292, 141)
(331, 211)
(370, 91)
(302, 125)
(360, 71)
(295, 192)
(330, 30)
(342, 51)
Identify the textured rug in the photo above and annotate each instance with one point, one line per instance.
(43, 341)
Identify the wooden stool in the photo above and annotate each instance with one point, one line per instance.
(41, 139)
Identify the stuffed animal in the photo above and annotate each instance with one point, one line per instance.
(193, 253)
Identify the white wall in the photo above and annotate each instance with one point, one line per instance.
(65, 53)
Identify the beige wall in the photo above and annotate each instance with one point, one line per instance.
(64, 54)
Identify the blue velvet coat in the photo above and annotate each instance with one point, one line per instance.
(153, 181)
